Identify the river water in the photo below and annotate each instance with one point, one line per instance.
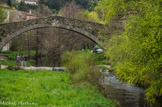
(127, 95)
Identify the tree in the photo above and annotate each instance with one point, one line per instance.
(72, 10)
(84, 3)
(58, 4)
(53, 4)
(41, 2)
(2, 15)
(22, 6)
(43, 11)
(9, 3)
(137, 51)
(51, 44)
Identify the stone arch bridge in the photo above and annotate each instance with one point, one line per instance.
(88, 29)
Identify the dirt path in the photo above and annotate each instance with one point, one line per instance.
(44, 68)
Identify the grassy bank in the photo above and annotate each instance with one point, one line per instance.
(48, 88)
(12, 58)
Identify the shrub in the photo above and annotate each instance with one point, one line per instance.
(10, 67)
(81, 65)
(13, 8)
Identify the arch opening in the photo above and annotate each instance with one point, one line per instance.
(37, 26)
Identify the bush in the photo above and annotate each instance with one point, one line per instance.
(82, 66)
(13, 8)
(10, 67)
(14, 68)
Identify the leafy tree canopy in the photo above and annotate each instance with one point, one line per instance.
(136, 53)
(57, 4)
(2, 15)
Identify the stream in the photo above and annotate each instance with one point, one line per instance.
(126, 95)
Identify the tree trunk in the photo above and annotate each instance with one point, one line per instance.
(28, 44)
(36, 55)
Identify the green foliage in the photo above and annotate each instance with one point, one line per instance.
(100, 59)
(53, 4)
(92, 5)
(48, 88)
(86, 4)
(12, 54)
(137, 52)
(78, 64)
(109, 8)
(12, 57)
(11, 61)
(24, 7)
(8, 62)
(91, 16)
(2, 15)
(54, 11)
(10, 67)
(9, 2)
(57, 4)
(82, 65)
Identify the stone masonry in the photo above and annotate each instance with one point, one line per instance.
(89, 29)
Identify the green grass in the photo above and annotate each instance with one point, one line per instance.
(48, 89)
(12, 58)
(12, 54)
(8, 62)
(99, 58)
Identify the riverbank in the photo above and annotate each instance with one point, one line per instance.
(48, 88)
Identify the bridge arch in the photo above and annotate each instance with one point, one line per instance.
(87, 29)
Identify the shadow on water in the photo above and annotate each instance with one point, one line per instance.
(127, 95)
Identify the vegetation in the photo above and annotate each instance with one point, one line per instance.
(2, 14)
(86, 4)
(9, 2)
(11, 61)
(136, 53)
(57, 4)
(48, 88)
(78, 64)
(82, 65)
(54, 5)
(24, 7)
(91, 16)
(8, 62)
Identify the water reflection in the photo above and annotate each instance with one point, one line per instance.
(127, 95)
